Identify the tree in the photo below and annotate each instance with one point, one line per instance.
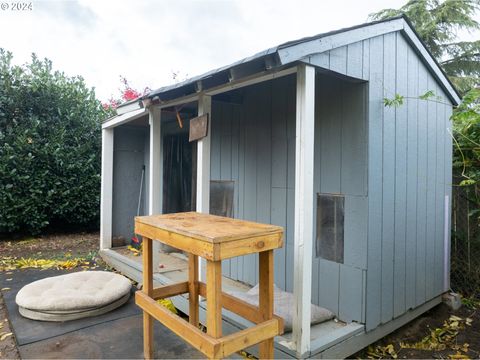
(50, 142)
(127, 93)
(438, 23)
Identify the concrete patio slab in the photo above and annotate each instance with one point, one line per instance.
(117, 334)
(117, 339)
(28, 331)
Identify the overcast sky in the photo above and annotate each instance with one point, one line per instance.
(147, 40)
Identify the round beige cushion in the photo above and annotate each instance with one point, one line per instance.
(74, 292)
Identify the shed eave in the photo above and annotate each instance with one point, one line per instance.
(288, 53)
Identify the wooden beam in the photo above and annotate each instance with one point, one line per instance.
(167, 291)
(155, 180)
(106, 198)
(248, 246)
(191, 334)
(208, 345)
(266, 297)
(193, 301)
(240, 307)
(247, 337)
(147, 290)
(304, 206)
(214, 298)
(203, 249)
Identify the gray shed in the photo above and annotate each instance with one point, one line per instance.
(299, 136)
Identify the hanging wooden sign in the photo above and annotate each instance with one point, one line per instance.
(198, 128)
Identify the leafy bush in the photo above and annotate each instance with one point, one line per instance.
(50, 141)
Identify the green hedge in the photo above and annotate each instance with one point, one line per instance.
(50, 143)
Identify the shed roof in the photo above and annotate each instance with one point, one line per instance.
(291, 52)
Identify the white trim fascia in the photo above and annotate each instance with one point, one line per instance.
(301, 50)
(125, 118)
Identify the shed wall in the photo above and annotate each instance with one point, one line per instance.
(129, 155)
(409, 174)
(253, 144)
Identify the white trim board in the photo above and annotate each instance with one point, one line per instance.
(304, 190)
(124, 118)
(106, 194)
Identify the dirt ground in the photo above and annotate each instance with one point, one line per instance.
(451, 339)
(51, 246)
(455, 339)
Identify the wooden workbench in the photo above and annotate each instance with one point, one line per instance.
(213, 238)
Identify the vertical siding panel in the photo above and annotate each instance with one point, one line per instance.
(338, 60)
(355, 59)
(329, 283)
(216, 140)
(421, 186)
(226, 161)
(321, 59)
(264, 158)
(388, 184)
(330, 141)
(289, 246)
(242, 118)
(235, 177)
(250, 194)
(279, 172)
(366, 60)
(431, 190)
(353, 143)
(412, 164)
(440, 197)
(291, 108)
(355, 232)
(320, 103)
(350, 294)
(353, 140)
(279, 216)
(401, 123)
(375, 126)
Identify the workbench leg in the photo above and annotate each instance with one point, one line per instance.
(148, 290)
(214, 296)
(193, 289)
(266, 298)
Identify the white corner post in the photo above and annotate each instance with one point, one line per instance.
(106, 197)
(155, 180)
(203, 167)
(304, 206)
